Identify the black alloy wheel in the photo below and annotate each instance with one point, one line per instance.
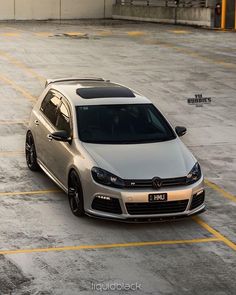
(30, 153)
(75, 195)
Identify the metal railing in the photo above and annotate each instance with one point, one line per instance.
(164, 3)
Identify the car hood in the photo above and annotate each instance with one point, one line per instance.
(143, 161)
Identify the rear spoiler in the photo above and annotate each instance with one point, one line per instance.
(52, 81)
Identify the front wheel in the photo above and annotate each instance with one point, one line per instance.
(30, 152)
(75, 195)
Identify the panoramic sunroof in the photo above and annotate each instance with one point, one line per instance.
(104, 92)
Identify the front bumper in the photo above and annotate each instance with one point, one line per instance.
(183, 198)
(148, 219)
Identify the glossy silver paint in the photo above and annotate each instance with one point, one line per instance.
(133, 161)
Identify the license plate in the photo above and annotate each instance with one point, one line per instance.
(157, 197)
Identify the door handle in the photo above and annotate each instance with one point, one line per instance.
(49, 137)
(36, 122)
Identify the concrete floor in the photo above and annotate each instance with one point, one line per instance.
(169, 65)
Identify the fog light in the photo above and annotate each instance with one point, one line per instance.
(200, 192)
(198, 199)
(103, 197)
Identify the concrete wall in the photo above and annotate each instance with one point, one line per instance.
(187, 15)
(42, 9)
(54, 9)
(6, 9)
(195, 16)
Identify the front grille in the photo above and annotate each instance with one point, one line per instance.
(148, 183)
(110, 206)
(156, 208)
(197, 200)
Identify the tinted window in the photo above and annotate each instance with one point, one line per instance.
(101, 92)
(46, 100)
(49, 107)
(63, 119)
(120, 124)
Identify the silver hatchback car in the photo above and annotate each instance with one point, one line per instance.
(113, 152)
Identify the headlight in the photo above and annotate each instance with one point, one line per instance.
(195, 174)
(106, 178)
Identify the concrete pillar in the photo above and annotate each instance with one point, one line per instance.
(230, 14)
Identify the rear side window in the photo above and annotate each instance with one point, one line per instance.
(63, 119)
(49, 106)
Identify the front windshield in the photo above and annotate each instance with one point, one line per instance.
(122, 124)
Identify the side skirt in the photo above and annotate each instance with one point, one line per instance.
(50, 175)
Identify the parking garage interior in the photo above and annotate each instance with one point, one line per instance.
(44, 249)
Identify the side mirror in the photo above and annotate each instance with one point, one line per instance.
(60, 135)
(180, 130)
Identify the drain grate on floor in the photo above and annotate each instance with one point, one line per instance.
(72, 35)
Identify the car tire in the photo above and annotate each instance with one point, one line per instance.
(30, 152)
(75, 195)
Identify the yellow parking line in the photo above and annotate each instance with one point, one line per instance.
(107, 246)
(218, 235)
(50, 191)
(104, 33)
(75, 34)
(24, 122)
(220, 190)
(10, 153)
(136, 33)
(18, 88)
(190, 52)
(10, 34)
(179, 31)
(21, 65)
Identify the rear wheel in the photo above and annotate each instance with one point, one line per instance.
(75, 195)
(30, 153)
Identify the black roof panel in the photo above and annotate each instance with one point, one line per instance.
(104, 92)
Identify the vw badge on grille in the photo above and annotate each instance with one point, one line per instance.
(156, 183)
